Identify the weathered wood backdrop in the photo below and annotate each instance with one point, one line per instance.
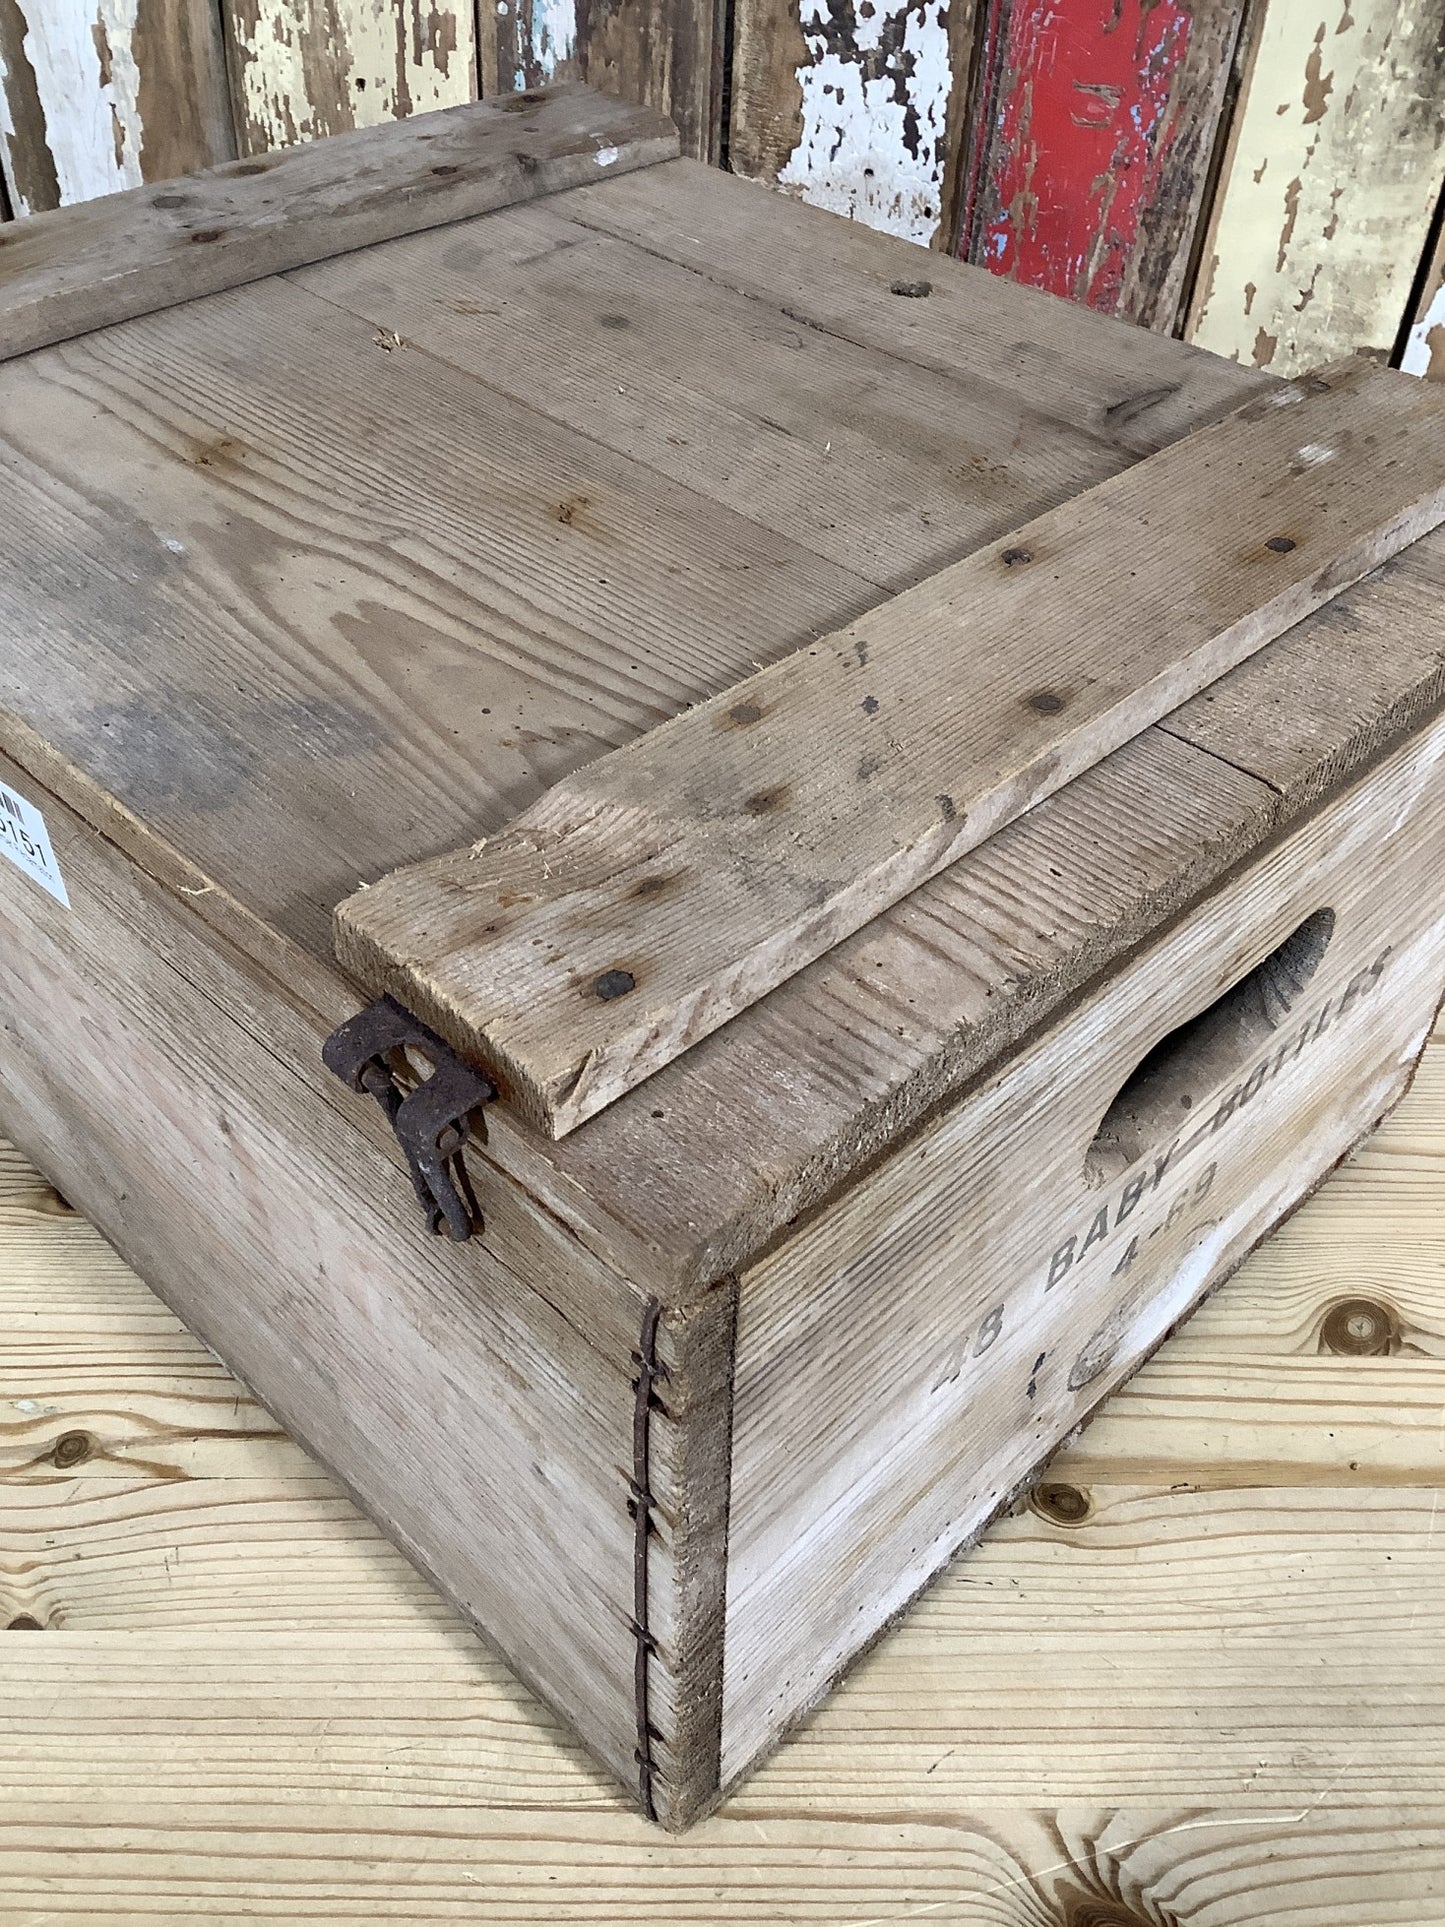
(1263, 176)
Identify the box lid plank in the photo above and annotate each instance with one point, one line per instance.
(101, 261)
(285, 606)
(644, 901)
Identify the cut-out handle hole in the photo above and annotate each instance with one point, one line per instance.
(1158, 1095)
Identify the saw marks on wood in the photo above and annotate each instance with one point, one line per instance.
(1209, 1696)
(1334, 170)
(100, 95)
(642, 902)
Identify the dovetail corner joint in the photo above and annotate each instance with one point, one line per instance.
(639, 1504)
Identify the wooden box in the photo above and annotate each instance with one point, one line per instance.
(330, 572)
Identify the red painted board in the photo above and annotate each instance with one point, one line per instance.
(1091, 145)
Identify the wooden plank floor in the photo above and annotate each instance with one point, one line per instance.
(1214, 1699)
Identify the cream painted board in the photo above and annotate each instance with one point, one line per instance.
(299, 70)
(1333, 173)
(1424, 351)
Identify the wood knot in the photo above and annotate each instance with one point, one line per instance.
(911, 290)
(1016, 558)
(1280, 544)
(1061, 1505)
(1046, 702)
(1359, 1328)
(1078, 1907)
(1093, 1914)
(71, 1448)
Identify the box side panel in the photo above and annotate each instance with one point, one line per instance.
(458, 1391)
(912, 1353)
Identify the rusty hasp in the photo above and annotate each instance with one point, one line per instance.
(432, 1119)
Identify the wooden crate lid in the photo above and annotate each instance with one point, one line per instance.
(322, 576)
(648, 898)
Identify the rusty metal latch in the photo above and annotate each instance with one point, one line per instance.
(431, 1118)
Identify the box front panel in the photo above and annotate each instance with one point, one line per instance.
(178, 1099)
(908, 1356)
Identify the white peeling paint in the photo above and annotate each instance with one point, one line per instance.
(381, 70)
(1313, 453)
(853, 157)
(1419, 351)
(606, 156)
(554, 33)
(92, 116)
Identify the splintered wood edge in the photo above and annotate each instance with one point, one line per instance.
(75, 269)
(412, 934)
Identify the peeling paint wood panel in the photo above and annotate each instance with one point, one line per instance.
(1424, 352)
(1331, 182)
(526, 43)
(101, 95)
(1091, 145)
(302, 68)
(665, 53)
(855, 108)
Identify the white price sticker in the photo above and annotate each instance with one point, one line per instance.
(25, 840)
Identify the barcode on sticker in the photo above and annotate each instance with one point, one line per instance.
(26, 841)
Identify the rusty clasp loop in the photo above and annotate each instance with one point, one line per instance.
(431, 1120)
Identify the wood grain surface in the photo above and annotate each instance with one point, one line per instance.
(1091, 143)
(100, 95)
(1211, 1699)
(641, 903)
(87, 267)
(1333, 173)
(904, 1356)
(436, 642)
